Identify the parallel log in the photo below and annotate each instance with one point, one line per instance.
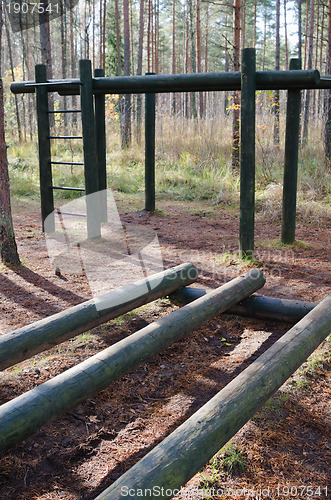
(46, 333)
(256, 306)
(23, 415)
(178, 457)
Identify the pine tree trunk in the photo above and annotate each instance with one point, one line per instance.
(149, 36)
(206, 54)
(8, 248)
(72, 60)
(286, 39)
(30, 97)
(264, 41)
(139, 66)
(199, 54)
(173, 62)
(236, 98)
(299, 30)
(10, 53)
(277, 94)
(127, 99)
(309, 66)
(46, 49)
(100, 33)
(255, 17)
(327, 130)
(104, 34)
(193, 56)
(119, 70)
(243, 24)
(64, 58)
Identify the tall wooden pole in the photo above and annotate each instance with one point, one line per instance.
(247, 154)
(150, 151)
(45, 170)
(90, 150)
(100, 130)
(291, 160)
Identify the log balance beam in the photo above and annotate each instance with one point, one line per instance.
(49, 332)
(22, 416)
(256, 306)
(178, 458)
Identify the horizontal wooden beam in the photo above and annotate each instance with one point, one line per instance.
(177, 458)
(256, 306)
(189, 82)
(25, 414)
(49, 332)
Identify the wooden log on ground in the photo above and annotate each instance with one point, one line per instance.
(177, 458)
(49, 332)
(25, 414)
(256, 306)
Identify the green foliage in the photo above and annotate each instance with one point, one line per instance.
(111, 53)
(233, 460)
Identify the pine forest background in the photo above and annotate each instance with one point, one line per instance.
(194, 136)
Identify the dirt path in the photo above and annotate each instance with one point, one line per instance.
(77, 456)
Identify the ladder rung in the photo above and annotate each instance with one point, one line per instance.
(70, 213)
(65, 188)
(65, 137)
(65, 111)
(66, 163)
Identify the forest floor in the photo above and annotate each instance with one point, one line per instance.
(284, 451)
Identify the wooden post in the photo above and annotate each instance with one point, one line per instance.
(256, 306)
(179, 456)
(291, 160)
(90, 150)
(45, 169)
(49, 332)
(23, 415)
(247, 155)
(100, 128)
(150, 151)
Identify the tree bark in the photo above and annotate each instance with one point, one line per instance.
(198, 21)
(127, 99)
(173, 62)
(10, 53)
(327, 130)
(8, 248)
(286, 39)
(139, 66)
(309, 66)
(193, 55)
(277, 94)
(236, 98)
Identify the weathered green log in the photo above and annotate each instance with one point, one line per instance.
(177, 458)
(45, 168)
(290, 179)
(191, 82)
(46, 333)
(93, 209)
(23, 415)
(247, 154)
(150, 151)
(255, 306)
(101, 146)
